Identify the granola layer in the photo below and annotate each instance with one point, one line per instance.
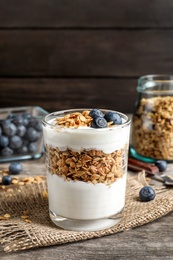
(87, 165)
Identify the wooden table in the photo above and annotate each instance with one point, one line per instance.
(151, 241)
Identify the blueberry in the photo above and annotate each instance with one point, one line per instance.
(21, 130)
(161, 164)
(6, 151)
(4, 141)
(23, 150)
(31, 134)
(114, 117)
(6, 180)
(11, 116)
(17, 120)
(15, 142)
(38, 126)
(99, 122)
(25, 121)
(9, 129)
(96, 113)
(15, 168)
(147, 193)
(26, 115)
(5, 122)
(32, 147)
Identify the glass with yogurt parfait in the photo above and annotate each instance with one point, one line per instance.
(86, 159)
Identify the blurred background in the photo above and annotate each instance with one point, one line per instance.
(70, 54)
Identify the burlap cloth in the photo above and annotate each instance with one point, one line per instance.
(16, 234)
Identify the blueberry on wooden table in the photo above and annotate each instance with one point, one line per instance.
(147, 193)
(6, 180)
(162, 165)
(15, 168)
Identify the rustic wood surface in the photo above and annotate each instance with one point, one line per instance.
(59, 55)
(86, 13)
(59, 94)
(88, 53)
(151, 241)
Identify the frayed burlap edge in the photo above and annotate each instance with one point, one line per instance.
(16, 234)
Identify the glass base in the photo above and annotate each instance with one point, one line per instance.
(84, 225)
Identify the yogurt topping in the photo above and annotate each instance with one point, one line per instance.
(107, 140)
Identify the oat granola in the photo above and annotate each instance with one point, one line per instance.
(76, 120)
(153, 128)
(88, 165)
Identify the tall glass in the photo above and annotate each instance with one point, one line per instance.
(86, 172)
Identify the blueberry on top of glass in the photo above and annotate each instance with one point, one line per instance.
(114, 117)
(101, 120)
(96, 113)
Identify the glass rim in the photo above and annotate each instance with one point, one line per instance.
(67, 111)
(147, 83)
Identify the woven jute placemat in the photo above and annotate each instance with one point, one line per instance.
(39, 231)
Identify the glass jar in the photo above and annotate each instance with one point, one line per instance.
(152, 122)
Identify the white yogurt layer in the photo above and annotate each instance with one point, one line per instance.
(85, 201)
(107, 140)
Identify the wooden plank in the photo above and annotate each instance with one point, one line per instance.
(86, 13)
(85, 53)
(56, 94)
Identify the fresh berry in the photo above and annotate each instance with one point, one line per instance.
(23, 150)
(99, 122)
(9, 129)
(4, 141)
(32, 147)
(147, 193)
(15, 168)
(31, 134)
(162, 165)
(21, 130)
(17, 120)
(6, 180)
(96, 113)
(15, 142)
(113, 117)
(6, 151)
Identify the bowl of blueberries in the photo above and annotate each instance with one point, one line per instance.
(21, 136)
